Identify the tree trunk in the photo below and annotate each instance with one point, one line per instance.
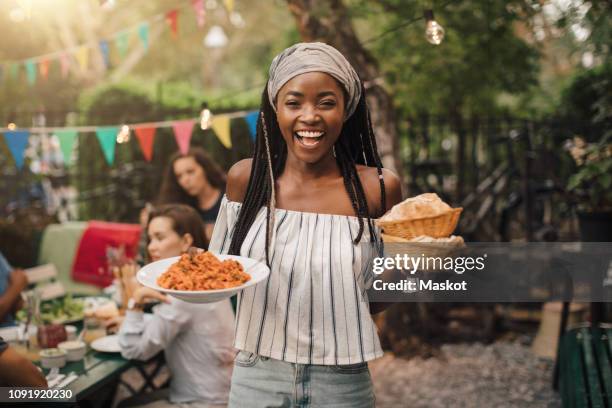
(328, 21)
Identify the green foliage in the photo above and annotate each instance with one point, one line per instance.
(592, 182)
(587, 102)
(480, 57)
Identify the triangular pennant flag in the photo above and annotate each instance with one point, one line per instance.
(200, 12)
(65, 64)
(121, 41)
(107, 137)
(17, 142)
(146, 137)
(251, 120)
(143, 34)
(105, 53)
(172, 20)
(229, 5)
(66, 139)
(182, 134)
(82, 56)
(31, 71)
(43, 68)
(221, 126)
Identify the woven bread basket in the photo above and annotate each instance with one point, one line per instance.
(438, 226)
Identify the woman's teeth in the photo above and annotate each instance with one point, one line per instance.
(308, 138)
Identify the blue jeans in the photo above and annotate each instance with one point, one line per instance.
(260, 382)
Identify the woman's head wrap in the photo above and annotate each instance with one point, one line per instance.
(314, 57)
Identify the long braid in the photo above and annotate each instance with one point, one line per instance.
(272, 191)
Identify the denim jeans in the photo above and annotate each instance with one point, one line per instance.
(259, 382)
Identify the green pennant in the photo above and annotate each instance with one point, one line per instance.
(107, 137)
(66, 140)
(121, 42)
(31, 71)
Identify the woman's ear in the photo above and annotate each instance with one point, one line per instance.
(186, 242)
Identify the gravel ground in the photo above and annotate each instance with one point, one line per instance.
(501, 374)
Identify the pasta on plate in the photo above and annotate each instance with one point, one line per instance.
(203, 271)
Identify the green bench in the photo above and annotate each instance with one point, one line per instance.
(585, 367)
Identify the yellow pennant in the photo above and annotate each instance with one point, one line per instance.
(82, 56)
(221, 126)
(229, 5)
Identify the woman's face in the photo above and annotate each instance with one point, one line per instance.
(164, 242)
(310, 113)
(190, 175)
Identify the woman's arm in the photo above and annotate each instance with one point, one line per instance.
(142, 342)
(18, 371)
(393, 196)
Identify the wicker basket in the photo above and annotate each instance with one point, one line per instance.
(416, 249)
(438, 226)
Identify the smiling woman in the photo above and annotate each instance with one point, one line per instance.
(304, 205)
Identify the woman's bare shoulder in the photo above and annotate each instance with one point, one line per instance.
(238, 180)
(371, 185)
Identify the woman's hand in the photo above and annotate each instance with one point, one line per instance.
(113, 324)
(143, 294)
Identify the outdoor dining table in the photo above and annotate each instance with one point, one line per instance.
(98, 370)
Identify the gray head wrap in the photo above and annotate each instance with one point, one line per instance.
(314, 57)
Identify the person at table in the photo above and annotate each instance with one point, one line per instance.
(196, 338)
(12, 283)
(18, 371)
(196, 180)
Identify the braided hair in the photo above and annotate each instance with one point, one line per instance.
(356, 145)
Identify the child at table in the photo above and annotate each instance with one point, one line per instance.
(196, 338)
(303, 204)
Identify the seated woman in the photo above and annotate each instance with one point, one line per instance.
(12, 283)
(196, 338)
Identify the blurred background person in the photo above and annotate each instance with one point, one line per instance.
(196, 180)
(196, 338)
(12, 283)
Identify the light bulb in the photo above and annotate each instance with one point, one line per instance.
(12, 126)
(434, 32)
(205, 118)
(124, 134)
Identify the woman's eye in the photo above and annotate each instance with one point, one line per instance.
(292, 103)
(328, 103)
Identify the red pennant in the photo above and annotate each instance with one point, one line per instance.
(146, 137)
(43, 68)
(182, 134)
(172, 20)
(200, 12)
(65, 64)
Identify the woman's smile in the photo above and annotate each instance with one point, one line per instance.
(309, 138)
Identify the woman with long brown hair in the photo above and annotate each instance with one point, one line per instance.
(196, 180)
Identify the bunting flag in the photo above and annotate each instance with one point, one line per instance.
(146, 137)
(182, 134)
(105, 53)
(143, 34)
(30, 71)
(107, 137)
(121, 42)
(172, 20)
(17, 142)
(251, 120)
(82, 56)
(221, 126)
(43, 68)
(65, 64)
(66, 139)
(229, 5)
(200, 12)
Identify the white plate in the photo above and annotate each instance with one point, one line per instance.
(107, 344)
(149, 273)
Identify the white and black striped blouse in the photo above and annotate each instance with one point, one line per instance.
(312, 309)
